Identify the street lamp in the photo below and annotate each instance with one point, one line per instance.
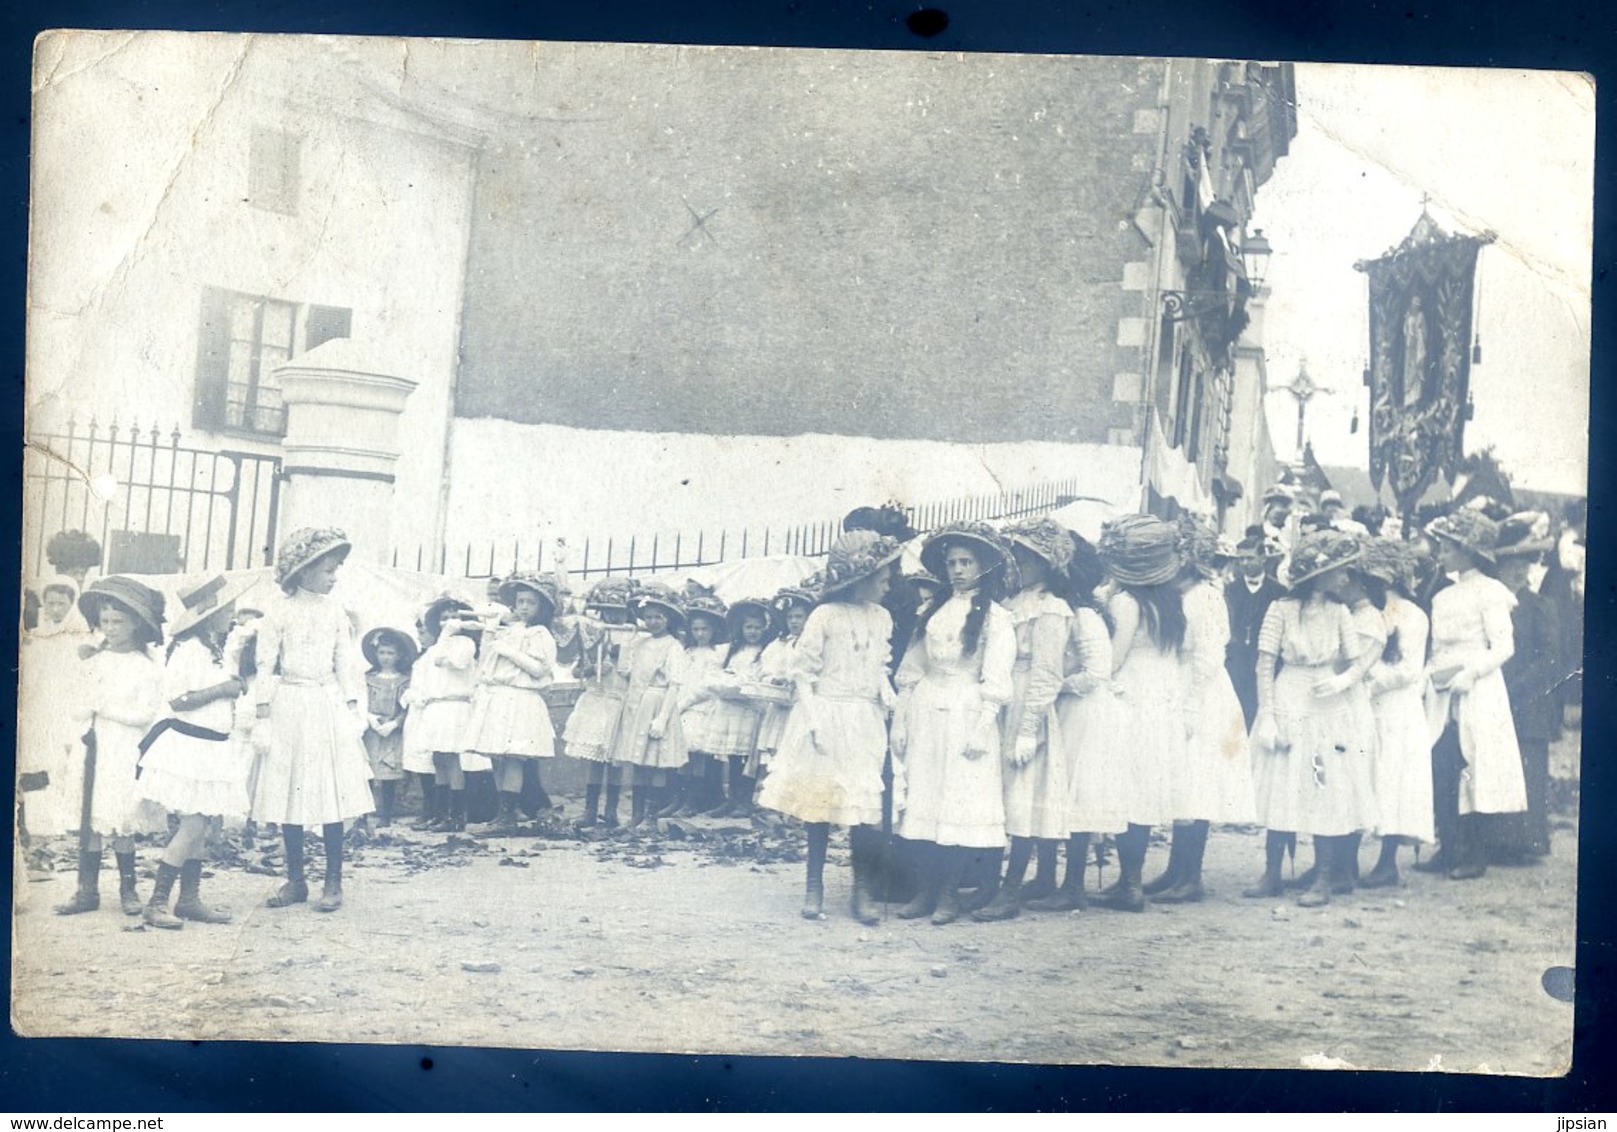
(1255, 254)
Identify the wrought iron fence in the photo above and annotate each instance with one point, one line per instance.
(154, 505)
(647, 554)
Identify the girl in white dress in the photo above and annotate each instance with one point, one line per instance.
(510, 722)
(1142, 555)
(115, 699)
(190, 766)
(1313, 736)
(439, 705)
(1088, 736)
(828, 769)
(314, 771)
(1214, 783)
(696, 676)
(955, 679)
(648, 736)
(792, 607)
(737, 718)
(592, 727)
(47, 745)
(1035, 768)
(1401, 769)
(1472, 637)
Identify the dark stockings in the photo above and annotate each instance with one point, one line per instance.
(819, 836)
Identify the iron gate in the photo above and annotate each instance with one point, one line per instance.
(155, 506)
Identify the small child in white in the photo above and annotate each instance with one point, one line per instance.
(314, 770)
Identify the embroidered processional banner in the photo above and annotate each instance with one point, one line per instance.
(1421, 305)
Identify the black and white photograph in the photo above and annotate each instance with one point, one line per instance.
(1057, 559)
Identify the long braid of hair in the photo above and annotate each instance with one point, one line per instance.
(971, 633)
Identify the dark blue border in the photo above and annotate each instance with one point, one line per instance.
(155, 1076)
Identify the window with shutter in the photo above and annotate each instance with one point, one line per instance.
(242, 340)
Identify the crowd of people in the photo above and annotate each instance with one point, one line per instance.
(1023, 695)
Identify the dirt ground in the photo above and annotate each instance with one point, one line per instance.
(691, 941)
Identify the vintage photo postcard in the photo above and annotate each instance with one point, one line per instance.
(803, 552)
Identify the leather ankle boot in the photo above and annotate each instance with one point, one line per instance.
(814, 898)
(1170, 875)
(133, 905)
(156, 912)
(1006, 904)
(1319, 893)
(88, 896)
(592, 806)
(190, 906)
(1189, 889)
(432, 808)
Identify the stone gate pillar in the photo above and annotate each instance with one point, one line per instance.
(341, 446)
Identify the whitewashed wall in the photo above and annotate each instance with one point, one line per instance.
(141, 173)
(512, 481)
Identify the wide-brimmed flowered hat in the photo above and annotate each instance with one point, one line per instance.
(202, 601)
(710, 607)
(803, 596)
(1526, 533)
(855, 556)
(401, 641)
(1259, 546)
(1198, 544)
(981, 539)
(1280, 493)
(302, 548)
(656, 595)
(1468, 529)
(1044, 537)
(755, 606)
(137, 599)
(1141, 550)
(1388, 560)
(1320, 552)
(432, 619)
(543, 586)
(611, 593)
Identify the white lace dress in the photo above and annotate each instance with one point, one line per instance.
(1471, 629)
(1214, 782)
(949, 729)
(315, 771)
(828, 767)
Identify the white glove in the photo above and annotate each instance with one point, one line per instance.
(1267, 733)
(985, 736)
(1464, 680)
(1027, 746)
(1080, 683)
